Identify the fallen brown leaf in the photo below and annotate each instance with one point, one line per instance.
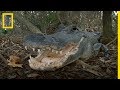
(14, 61)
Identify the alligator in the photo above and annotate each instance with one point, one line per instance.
(66, 45)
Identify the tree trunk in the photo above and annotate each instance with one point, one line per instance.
(31, 27)
(108, 33)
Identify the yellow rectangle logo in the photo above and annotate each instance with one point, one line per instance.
(7, 20)
(118, 45)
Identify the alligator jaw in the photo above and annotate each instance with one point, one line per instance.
(50, 60)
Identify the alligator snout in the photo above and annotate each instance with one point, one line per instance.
(55, 42)
(53, 50)
(50, 58)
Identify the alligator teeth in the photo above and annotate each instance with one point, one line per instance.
(52, 46)
(33, 49)
(25, 47)
(52, 50)
(30, 57)
(56, 52)
(68, 53)
(39, 50)
(48, 48)
(43, 49)
(60, 52)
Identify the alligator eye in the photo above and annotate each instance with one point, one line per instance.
(74, 28)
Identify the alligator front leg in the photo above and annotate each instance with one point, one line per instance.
(101, 46)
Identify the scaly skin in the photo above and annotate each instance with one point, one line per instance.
(65, 46)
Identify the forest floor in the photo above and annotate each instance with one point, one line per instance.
(10, 48)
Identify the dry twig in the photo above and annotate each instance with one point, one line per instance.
(111, 41)
(3, 59)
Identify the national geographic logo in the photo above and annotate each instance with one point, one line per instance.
(7, 20)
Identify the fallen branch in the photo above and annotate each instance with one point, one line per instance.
(92, 71)
(111, 41)
(27, 56)
(89, 68)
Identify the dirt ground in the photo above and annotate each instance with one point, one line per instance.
(97, 69)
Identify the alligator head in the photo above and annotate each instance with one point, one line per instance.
(61, 48)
